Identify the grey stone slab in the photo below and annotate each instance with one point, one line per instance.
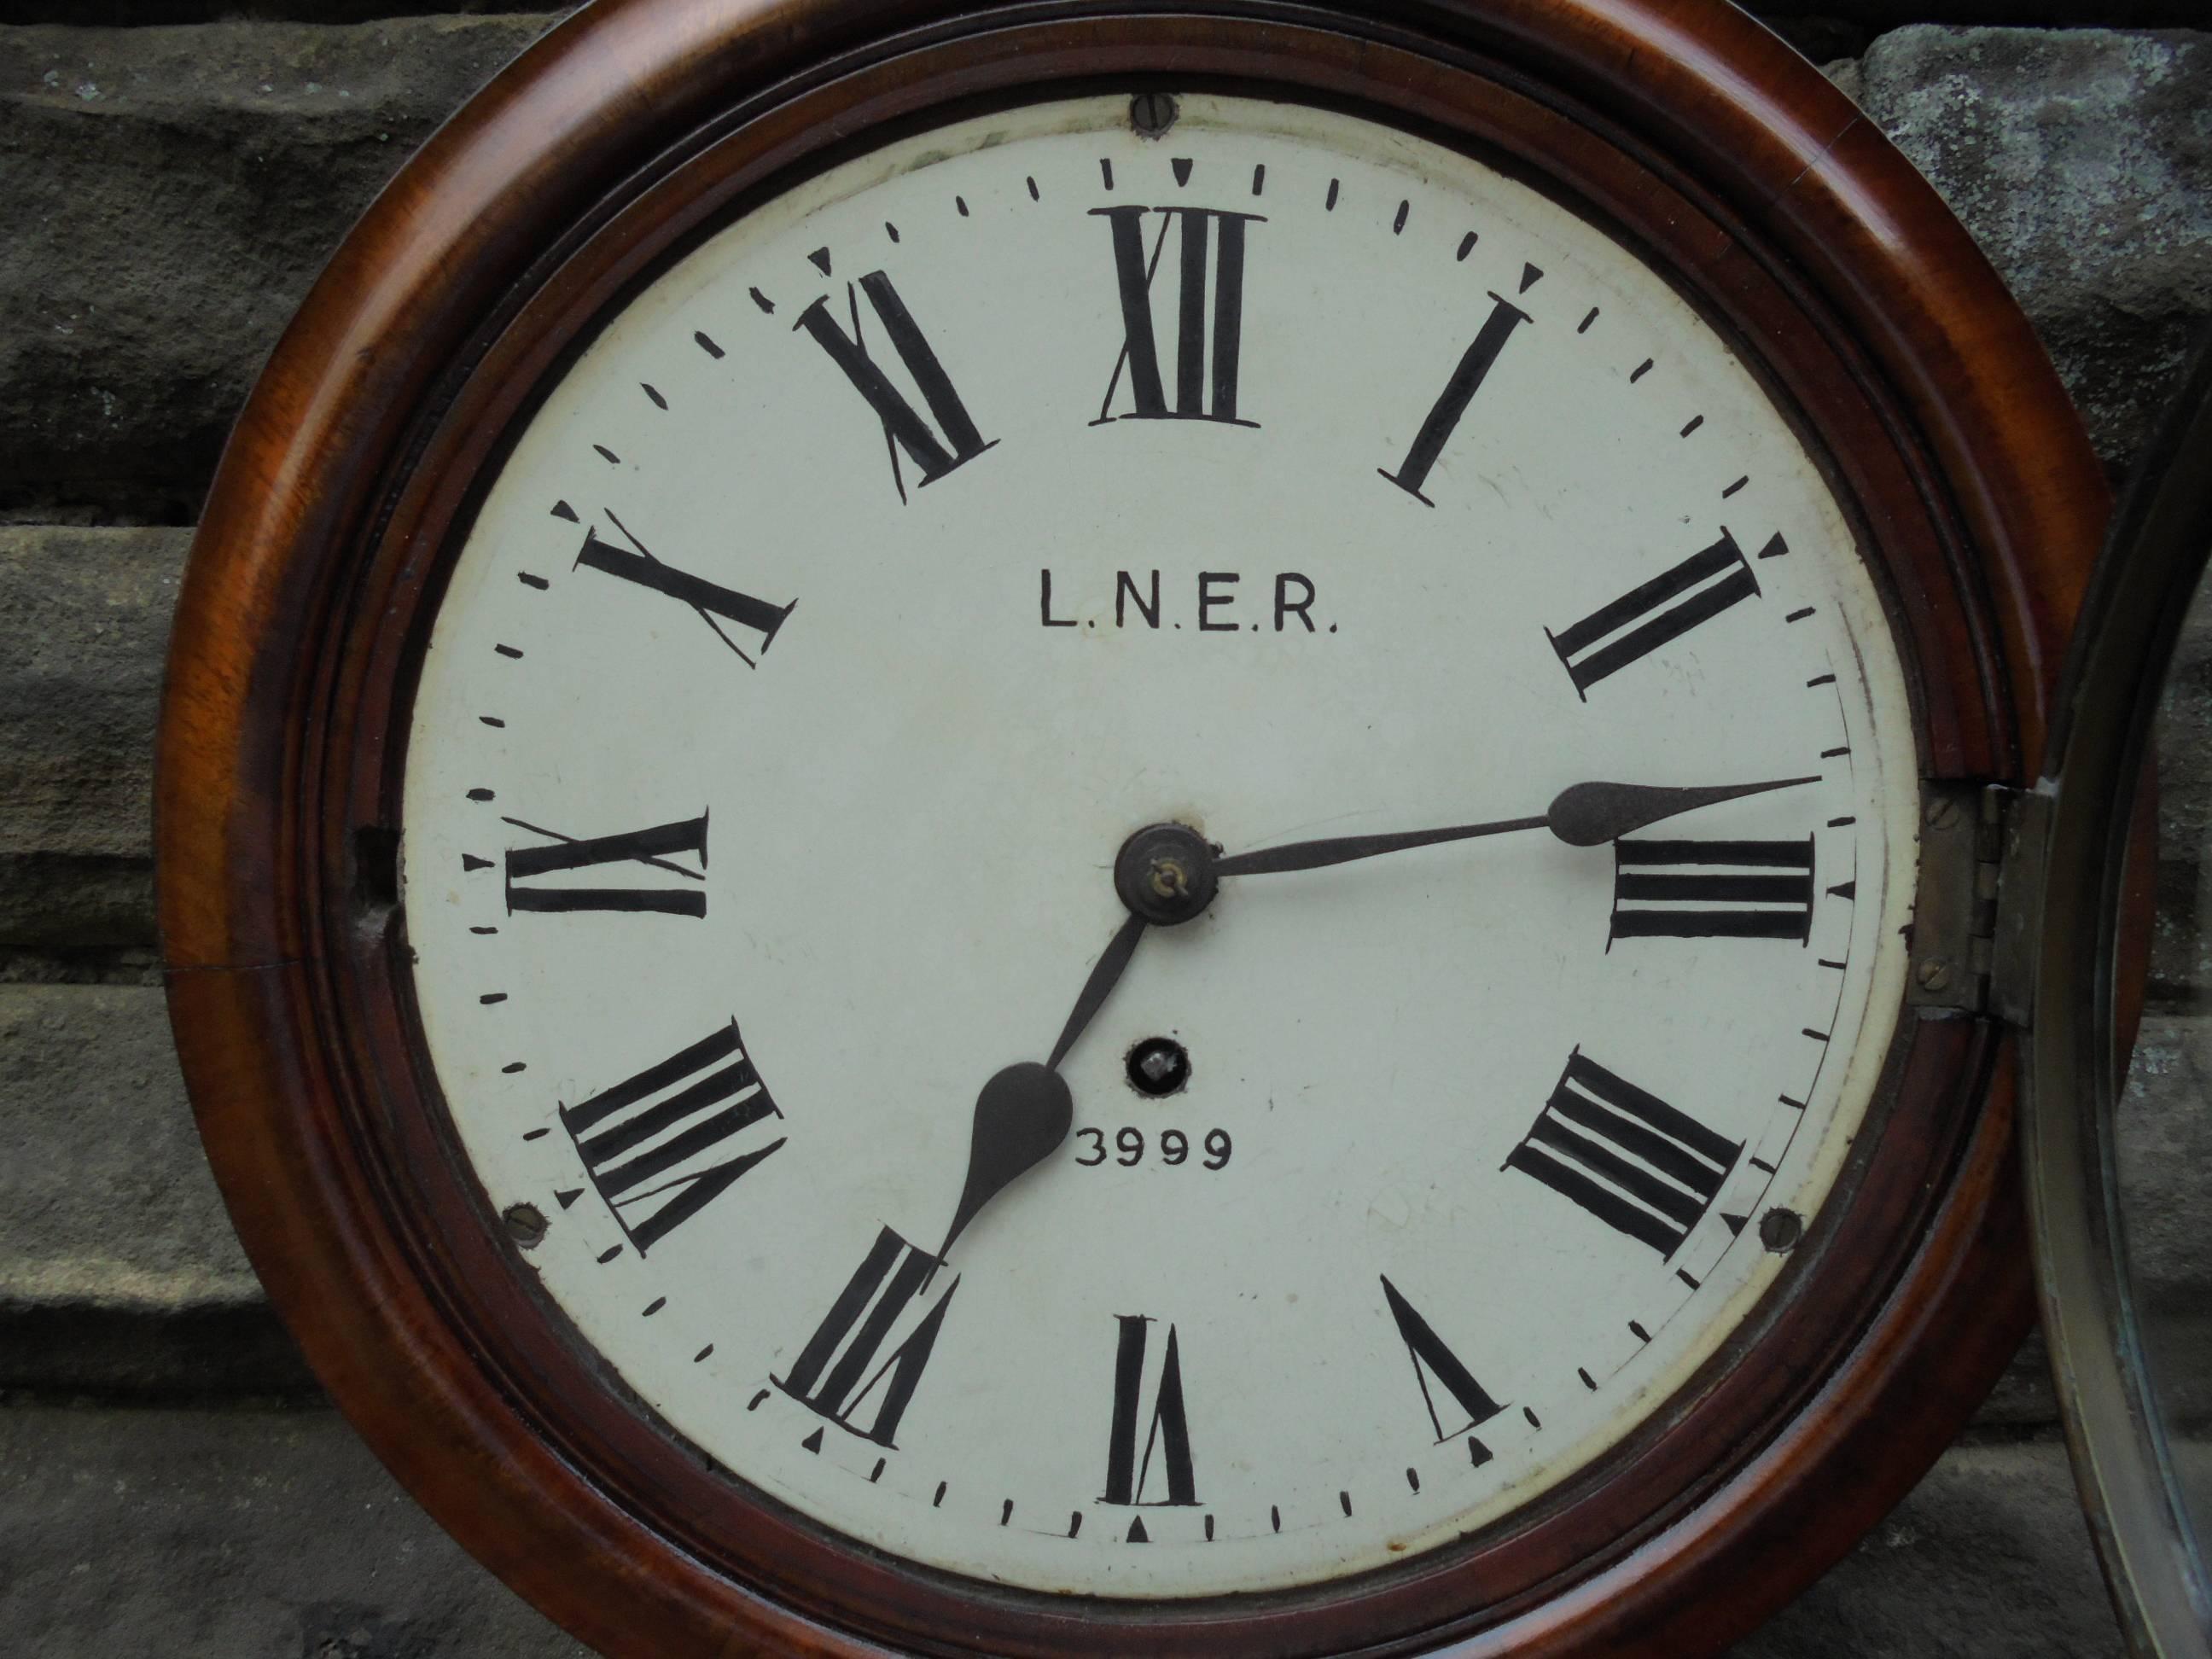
(232, 1534)
(172, 193)
(118, 1267)
(84, 625)
(257, 1534)
(2082, 162)
(1988, 1558)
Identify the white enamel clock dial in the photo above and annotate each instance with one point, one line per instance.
(888, 561)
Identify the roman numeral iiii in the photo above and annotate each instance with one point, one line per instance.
(1647, 1170)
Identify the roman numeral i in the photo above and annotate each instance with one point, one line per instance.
(1645, 1169)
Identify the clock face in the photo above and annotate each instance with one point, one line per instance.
(885, 563)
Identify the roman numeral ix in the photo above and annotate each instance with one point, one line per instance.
(662, 1146)
(653, 849)
(1147, 1374)
(954, 441)
(1712, 890)
(1650, 615)
(1211, 244)
(1626, 1156)
(635, 563)
(840, 1374)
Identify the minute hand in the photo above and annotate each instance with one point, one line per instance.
(1581, 815)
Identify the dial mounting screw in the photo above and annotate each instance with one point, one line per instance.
(1151, 113)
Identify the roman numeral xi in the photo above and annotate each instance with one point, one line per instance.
(662, 1146)
(1645, 1169)
(954, 441)
(1211, 249)
(842, 1373)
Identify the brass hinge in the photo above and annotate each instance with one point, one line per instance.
(1981, 899)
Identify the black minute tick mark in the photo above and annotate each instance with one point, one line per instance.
(659, 402)
(1582, 327)
(939, 1498)
(1799, 615)
(1695, 422)
(608, 455)
(1686, 1280)
(761, 299)
(1639, 371)
(706, 345)
(480, 794)
(1535, 1421)
(1467, 245)
(528, 580)
(1398, 225)
(1737, 485)
(538, 1134)
(492, 721)
(1106, 172)
(961, 202)
(508, 651)
(1260, 179)
(1638, 1332)
(653, 1307)
(1330, 205)
(1034, 197)
(890, 230)
(607, 1256)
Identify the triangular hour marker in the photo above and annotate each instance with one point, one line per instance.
(1530, 275)
(562, 510)
(565, 1199)
(1849, 890)
(1137, 1532)
(813, 1442)
(1736, 1223)
(1182, 169)
(821, 258)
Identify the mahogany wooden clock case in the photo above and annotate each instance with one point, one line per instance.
(565, 216)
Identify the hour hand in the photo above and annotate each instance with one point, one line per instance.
(1581, 815)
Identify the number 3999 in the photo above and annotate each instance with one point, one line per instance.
(1129, 1147)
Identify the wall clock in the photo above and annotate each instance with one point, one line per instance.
(1068, 829)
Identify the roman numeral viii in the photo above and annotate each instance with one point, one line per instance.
(662, 1146)
(1211, 245)
(1444, 418)
(953, 441)
(635, 563)
(656, 849)
(1626, 1156)
(1655, 612)
(840, 1374)
(1145, 1373)
(1438, 1370)
(1712, 890)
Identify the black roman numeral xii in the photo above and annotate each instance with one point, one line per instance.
(1211, 245)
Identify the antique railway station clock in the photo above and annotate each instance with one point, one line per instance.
(1064, 828)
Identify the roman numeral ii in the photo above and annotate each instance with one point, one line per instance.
(1655, 612)
(838, 1372)
(954, 441)
(1645, 1169)
(1211, 245)
(662, 1146)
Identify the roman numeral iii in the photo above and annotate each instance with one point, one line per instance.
(657, 848)
(1438, 1370)
(1712, 890)
(1211, 245)
(841, 1374)
(953, 441)
(1640, 1166)
(1655, 612)
(1443, 417)
(1147, 1373)
(662, 1146)
(635, 563)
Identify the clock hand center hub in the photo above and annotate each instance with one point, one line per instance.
(1165, 873)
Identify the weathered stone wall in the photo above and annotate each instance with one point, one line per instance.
(170, 1480)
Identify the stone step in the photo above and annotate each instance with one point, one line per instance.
(175, 189)
(266, 1535)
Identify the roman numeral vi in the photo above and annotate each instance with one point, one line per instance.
(1166, 1426)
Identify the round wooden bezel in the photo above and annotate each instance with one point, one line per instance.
(638, 126)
